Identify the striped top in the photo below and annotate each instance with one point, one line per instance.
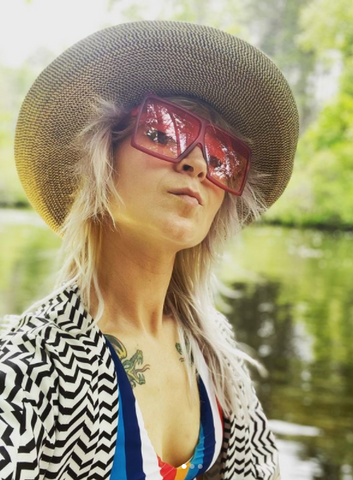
(135, 457)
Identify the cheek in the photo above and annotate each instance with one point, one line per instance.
(217, 199)
(216, 204)
(130, 169)
(213, 215)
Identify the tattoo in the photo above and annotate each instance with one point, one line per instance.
(134, 374)
(178, 347)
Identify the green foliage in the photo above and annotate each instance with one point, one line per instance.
(274, 26)
(221, 14)
(327, 25)
(320, 192)
(15, 83)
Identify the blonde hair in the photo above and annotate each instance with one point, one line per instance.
(190, 295)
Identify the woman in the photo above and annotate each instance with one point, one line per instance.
(145, 146)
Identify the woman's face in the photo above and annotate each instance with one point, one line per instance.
(155, 210)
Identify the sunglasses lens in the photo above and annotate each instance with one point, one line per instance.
(165, 131)
(227, 160)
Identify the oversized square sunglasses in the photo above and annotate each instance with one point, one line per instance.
(169, 132)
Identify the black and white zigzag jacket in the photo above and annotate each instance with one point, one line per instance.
(59, 404)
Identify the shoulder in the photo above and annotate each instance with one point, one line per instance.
(26, 360)
(47, 342)
(28, 379)
(52, 375)
(32, 331)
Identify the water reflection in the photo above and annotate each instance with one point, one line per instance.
(292, 303)
(297, 317)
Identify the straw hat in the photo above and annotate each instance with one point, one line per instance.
(124, 62)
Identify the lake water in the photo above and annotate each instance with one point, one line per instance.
(289, 295)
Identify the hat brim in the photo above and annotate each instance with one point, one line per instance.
(123, 63)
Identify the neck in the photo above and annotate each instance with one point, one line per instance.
(134, 277)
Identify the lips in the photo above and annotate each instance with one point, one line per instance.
(189, 192)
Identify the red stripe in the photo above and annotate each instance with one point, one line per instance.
(168, 472)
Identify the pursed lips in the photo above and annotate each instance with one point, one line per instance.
(188, 193)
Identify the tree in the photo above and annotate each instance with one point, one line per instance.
(274, 27)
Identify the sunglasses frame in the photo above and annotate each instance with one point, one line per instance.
(200, 140)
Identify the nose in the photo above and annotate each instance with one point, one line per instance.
(194, 164)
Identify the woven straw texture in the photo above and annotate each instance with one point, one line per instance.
(124, 62)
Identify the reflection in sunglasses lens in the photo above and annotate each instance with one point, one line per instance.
(226, 165)
(165, 130)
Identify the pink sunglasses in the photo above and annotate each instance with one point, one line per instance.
(169, 132)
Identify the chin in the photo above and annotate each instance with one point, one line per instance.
(182, 232)
(186, 243)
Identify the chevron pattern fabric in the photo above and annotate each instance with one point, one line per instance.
(59, 405)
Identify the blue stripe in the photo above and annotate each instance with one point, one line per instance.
(132, 464)
(197, 459)
(207, 441)
(208, 428)
(119, 465)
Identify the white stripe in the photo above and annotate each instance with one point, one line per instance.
(149, 457)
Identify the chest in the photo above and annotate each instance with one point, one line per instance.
(170, 408)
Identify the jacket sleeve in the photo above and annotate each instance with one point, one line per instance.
(264, 450)
(26, 416)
